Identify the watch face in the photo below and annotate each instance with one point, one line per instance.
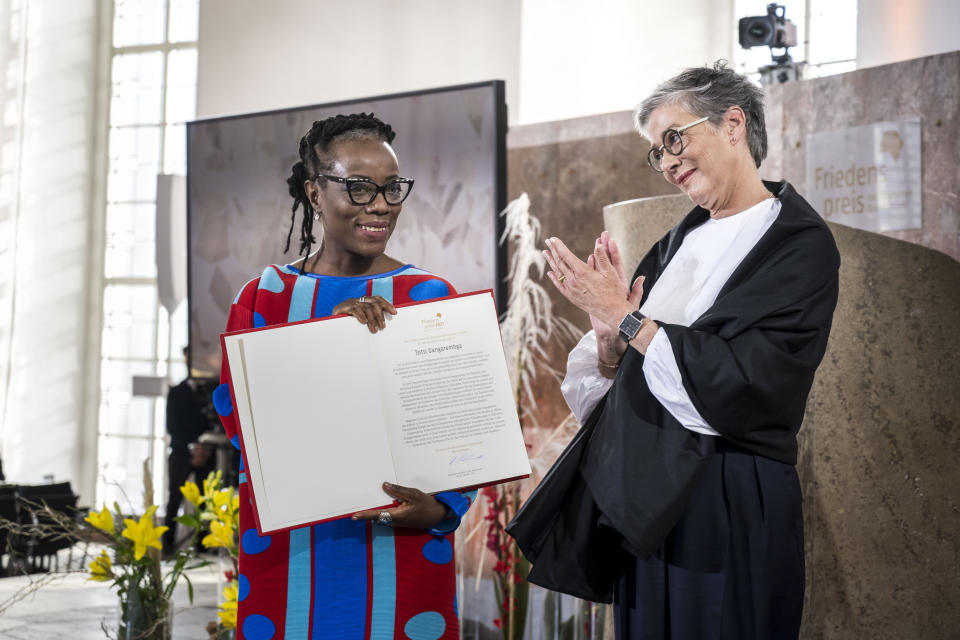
(629, 327)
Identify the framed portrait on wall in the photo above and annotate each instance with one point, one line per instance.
(450, 140)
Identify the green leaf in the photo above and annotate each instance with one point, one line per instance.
(521, 591)
(189, 587)
(189, 520)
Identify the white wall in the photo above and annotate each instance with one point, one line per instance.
(581, 58)
(255, 56)
(895, 30)
(45, 426)
(560, 58)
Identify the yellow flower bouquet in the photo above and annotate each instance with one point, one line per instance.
(132, 563)
(218, 510)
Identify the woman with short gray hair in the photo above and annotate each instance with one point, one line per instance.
(679, 498)
(709, 93)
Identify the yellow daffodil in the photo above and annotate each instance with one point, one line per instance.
(211, 484)
(228, 615)
(221, 535)
(221, 504)
(228, 610)
(231, 592)
(143, 533)
(191, 492)
(101, 568)
(102, 520)
(235, 506)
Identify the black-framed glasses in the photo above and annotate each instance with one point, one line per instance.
(672, 144)
(363, 191)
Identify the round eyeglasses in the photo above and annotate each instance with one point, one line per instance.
(362, 191)
(672, 144)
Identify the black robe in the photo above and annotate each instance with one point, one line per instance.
(747, 364)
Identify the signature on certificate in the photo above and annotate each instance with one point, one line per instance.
(465, 457)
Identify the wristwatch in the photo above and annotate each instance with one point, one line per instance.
(630, 325)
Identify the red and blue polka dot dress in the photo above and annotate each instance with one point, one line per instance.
(339, 579)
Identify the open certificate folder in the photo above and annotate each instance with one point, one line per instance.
(329, 411)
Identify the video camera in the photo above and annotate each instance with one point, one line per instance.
(775, 31)
(772, 30)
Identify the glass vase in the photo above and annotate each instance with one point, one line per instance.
(144, 616)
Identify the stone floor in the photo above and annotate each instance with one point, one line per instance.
(71, 606)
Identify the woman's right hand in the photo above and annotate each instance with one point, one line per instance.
(610, 348)
(369, 310)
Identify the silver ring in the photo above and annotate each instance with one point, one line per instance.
(384, 518)
(363, 299)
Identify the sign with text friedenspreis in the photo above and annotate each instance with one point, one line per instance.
(867, 177)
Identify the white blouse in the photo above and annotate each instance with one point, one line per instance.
(687, 287)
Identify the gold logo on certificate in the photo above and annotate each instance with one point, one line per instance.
(432, 324)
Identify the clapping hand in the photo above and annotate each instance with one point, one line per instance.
(597, 286)
(609, 345)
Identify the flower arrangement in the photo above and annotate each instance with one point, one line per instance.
(144, 585)
(218, 509)
(135, 568)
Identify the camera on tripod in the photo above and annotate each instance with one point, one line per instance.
(772, 30)
(775, 31)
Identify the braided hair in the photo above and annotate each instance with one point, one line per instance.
(315, 158)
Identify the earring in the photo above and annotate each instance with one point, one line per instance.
(733, 141)
(316, 216)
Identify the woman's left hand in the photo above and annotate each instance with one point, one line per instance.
(598, 288)
(417, 510)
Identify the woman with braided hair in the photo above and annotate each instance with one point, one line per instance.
(376, 574)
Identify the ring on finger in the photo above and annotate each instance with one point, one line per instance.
(384, 518)
(363, 299)
(562, 277)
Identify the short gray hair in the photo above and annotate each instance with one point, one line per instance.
(709, 92)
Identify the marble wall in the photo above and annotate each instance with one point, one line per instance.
(926, 87)
(879, 439)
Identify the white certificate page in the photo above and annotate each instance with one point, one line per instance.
(329, 411)
(450, 411)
